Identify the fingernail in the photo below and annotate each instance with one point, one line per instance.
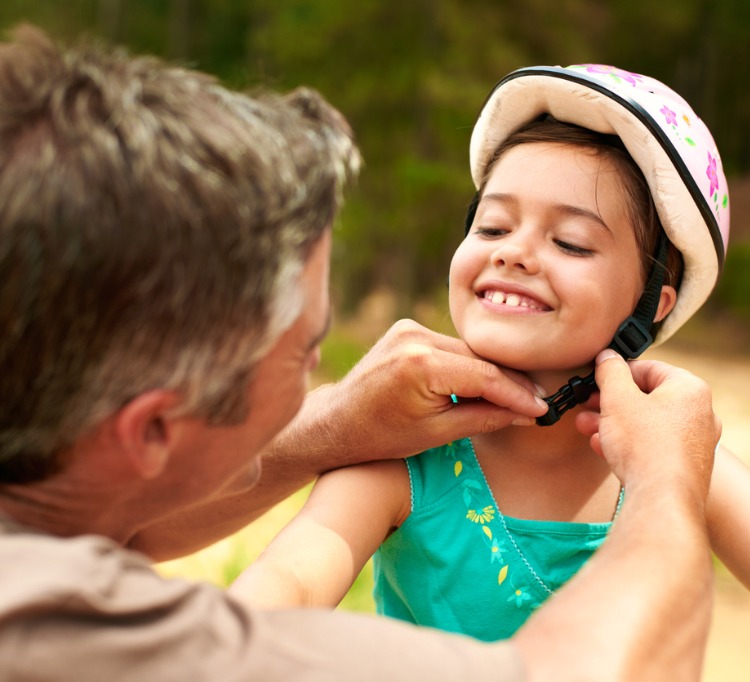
(540, 391)
(523, 421)
(606, 354)
(541, 403)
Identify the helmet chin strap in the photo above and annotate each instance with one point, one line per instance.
(631, 339)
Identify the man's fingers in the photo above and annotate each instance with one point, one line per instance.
(479, 416)
(401, 390)
(587, 423)
(651, 374)
(612, 373)
(450, 367)
(408, 332)
(471, 378)
(615, 376)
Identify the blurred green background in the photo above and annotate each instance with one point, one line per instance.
(411, 75)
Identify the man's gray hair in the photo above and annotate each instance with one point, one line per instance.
(153, 228)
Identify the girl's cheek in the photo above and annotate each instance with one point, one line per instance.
(461, 266)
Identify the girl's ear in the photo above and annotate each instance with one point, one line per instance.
(667, 299)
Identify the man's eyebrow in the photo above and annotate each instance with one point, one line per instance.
(565, 209)
(318, 339)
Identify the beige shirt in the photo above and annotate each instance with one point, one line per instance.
(85, 609)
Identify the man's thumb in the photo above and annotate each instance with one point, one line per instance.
(612, 371)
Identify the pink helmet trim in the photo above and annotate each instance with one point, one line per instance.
(668, 141)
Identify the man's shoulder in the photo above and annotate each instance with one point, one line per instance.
(89, 605)
(38, 569)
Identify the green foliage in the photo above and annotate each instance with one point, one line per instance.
(339, 354)
(734, 285)
(359, 597)
(411, 77)
(230, 569)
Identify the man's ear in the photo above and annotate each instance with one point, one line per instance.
(144, 429)
(667, 299)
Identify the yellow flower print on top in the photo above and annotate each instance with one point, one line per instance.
(484, 516)
(451, 450)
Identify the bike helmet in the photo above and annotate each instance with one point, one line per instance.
(667, 140)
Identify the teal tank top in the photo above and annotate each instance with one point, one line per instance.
(458, 564)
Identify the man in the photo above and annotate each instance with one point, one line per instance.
(164, 253)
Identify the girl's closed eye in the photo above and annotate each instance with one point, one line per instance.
(572, 249)
(491, 231)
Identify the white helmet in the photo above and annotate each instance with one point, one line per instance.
(672, 146)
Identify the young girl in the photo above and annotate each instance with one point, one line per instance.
(579, 172)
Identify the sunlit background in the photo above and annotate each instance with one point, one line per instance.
(411, 77)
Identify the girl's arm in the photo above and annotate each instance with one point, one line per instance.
(728, 514)
(315, 559)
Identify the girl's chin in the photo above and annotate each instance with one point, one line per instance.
(551, 379)
(537, 369)
(521, 357)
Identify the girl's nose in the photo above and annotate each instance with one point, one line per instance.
(516, 252)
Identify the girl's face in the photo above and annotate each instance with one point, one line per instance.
(550, 267)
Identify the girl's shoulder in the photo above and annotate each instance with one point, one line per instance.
(368, 490)
(439, 472)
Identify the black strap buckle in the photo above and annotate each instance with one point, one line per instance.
(631, 339)
(575, 392)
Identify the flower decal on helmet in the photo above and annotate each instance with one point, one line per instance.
(617, 74)
(669, 115)
(671, 120)
(712, 176)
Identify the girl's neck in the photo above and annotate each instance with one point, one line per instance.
(559, 445)
(547, 472)
(550, 444)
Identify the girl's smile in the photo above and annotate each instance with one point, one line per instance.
(511, 298)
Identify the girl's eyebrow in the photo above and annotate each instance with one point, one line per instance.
(580, 212)
(500, 197)
(565, 209)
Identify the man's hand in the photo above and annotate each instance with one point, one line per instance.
(655, 422)
(397, 399)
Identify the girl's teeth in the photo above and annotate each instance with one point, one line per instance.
(511, 300)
